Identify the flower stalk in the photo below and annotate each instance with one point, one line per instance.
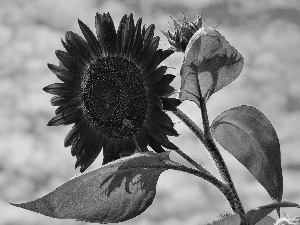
(205, 137)
(209, 143)
(193, 162)
(190, 124)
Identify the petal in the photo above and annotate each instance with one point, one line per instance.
(155, 145)
(72, 135)
(118, 149)
(92, 148)
(169, 130)
(129, 35)
(148, 34)
(110, 34)
(84, 140)
(66, 117)
(166, 92)
(162, 121)
(91, 159)
(159, 136)
(90, 38)
(163, 83)
(100, 33)
(61, 73)
(170, 104)
(79, 49)
(138, 41)
(106, 34)
(120, 43)
(142, 137)
(108, 151)
(148, 52)
(128, 146)
(157, 116)
(67, 106)
(59, 100)
(77, 144)
(154, 100)
(156, 75)
(62, 89)
(165, 54)
(152, 63)
(69, 63)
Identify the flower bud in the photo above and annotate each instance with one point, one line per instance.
(184, 30)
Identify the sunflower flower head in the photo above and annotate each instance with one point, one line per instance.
(113, 91)
(183, 31)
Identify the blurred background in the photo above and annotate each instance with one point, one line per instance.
(33, 161)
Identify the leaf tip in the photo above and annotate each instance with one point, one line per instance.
(41, 206)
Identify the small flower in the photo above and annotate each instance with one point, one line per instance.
(183, 32)
(113, 91)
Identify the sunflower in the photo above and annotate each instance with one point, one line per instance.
(113, 90)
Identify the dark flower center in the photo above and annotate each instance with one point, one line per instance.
(114, 97)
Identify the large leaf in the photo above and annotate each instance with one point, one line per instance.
(266, 221)
(210, 63)
(113, 193)
(248, 135)
(256, 215)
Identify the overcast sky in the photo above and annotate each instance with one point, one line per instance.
(34, 162)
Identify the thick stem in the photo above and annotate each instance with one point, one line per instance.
(205, 137)
(231, 195)
(209, 143)
(224, 188)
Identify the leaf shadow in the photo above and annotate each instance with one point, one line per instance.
(132, 178)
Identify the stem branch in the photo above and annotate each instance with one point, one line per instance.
(231, 195)
(193, 162)
(228, 190)
(206, 176)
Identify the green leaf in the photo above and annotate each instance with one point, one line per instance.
(248, 135)
(235, 219)
(255, 216)
(116, 192)
(279, 205)
(266, 221)
(210, 64)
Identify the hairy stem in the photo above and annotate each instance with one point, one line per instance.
(206, 176)
(210, 178)
(193, 162)
(228, 190)
(190, 124)
(209, 143)
(232, 195)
